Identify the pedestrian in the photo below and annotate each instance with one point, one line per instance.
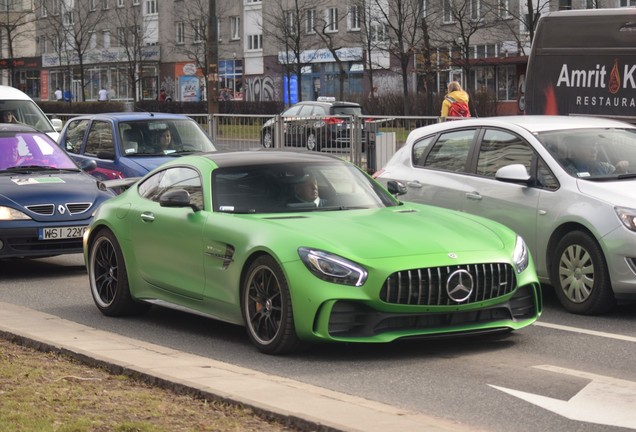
(455, 103)
(162, 95)
(103, 95)
(58, 95)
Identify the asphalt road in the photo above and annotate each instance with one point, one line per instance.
(565, 373)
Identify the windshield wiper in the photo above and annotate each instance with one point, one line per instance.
(19, 168)
(626, 176)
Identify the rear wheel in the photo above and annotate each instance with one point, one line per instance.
(268, 138)
(108, 277)
(267, 308)
(579, 275)
(312, 142)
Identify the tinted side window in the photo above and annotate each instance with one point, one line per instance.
(450, 152)
(292, 111)
(174, 178)
(499, 148)
(420, 149)
(100, 140)
(75, 135)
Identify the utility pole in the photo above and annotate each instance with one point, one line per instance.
(213, 61)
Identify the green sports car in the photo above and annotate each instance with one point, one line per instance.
(304, 247)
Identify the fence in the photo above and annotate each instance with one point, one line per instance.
(367, 141)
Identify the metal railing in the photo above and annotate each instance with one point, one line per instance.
(367, 141)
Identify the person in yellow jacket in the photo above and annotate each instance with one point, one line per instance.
(455, 94)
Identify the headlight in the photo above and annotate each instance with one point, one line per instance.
(332, 268)
(8, 213)
(627, 216)
(520, 255)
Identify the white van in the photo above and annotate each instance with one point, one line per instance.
(28, 112)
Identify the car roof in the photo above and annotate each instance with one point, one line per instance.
(131, 116)
(329, 103)
(531, 123)
(266, 156)
(12, 93)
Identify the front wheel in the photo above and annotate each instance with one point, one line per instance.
(108, 277)
(579, 275)
(267, 308)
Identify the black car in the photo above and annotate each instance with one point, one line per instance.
(316, 125)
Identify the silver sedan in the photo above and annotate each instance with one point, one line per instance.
(567, 185)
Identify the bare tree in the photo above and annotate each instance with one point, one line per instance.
(325, 29)
(131, 33)
(402, 18)
(286, 22)
(73, 25)
(15, 28)
(464, 20)
(521, 19)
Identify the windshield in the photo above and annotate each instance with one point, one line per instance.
(593, 153)
(162, 137)
(32, 151)
(26, 111)
(293, 187)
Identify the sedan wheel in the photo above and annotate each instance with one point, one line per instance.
(109, 279)
(312, 142)
(580, 276)
(266, 307)
(268, 138)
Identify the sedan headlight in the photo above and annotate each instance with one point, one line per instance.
(520, 256)
(8, 213)
(333, 268)
(627, 216)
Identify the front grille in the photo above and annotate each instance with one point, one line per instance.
(32, 244)
(49, 209)
(350, 319)
(76, 208)
(42, 209)
(427, 286)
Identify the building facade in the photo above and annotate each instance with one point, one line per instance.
(270, 50)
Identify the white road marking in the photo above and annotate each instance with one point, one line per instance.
(605, 400)
(588, 332)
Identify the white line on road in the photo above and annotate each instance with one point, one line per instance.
(588, 332)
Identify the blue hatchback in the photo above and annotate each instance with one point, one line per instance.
(131, 144)
(46, 200)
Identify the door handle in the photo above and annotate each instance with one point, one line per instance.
(147, 217)
(414, 184)
(473, 196)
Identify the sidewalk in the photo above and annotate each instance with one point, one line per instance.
(291, 401)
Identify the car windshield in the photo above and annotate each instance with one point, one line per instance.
(27, 112)
(294, 187)
(163, 137)
(31, 151)
(593, 153)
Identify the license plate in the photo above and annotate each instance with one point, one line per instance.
(62, 232)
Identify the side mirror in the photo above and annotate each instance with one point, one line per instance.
(515, 173)
(57, 124)
(87, 164)
(396, 188)
(177, 198)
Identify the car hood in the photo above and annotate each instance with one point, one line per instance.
(148, 163)
(616, 193)
(57, 188)
(394, 231)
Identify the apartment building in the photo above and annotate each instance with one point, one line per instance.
(279, 50)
